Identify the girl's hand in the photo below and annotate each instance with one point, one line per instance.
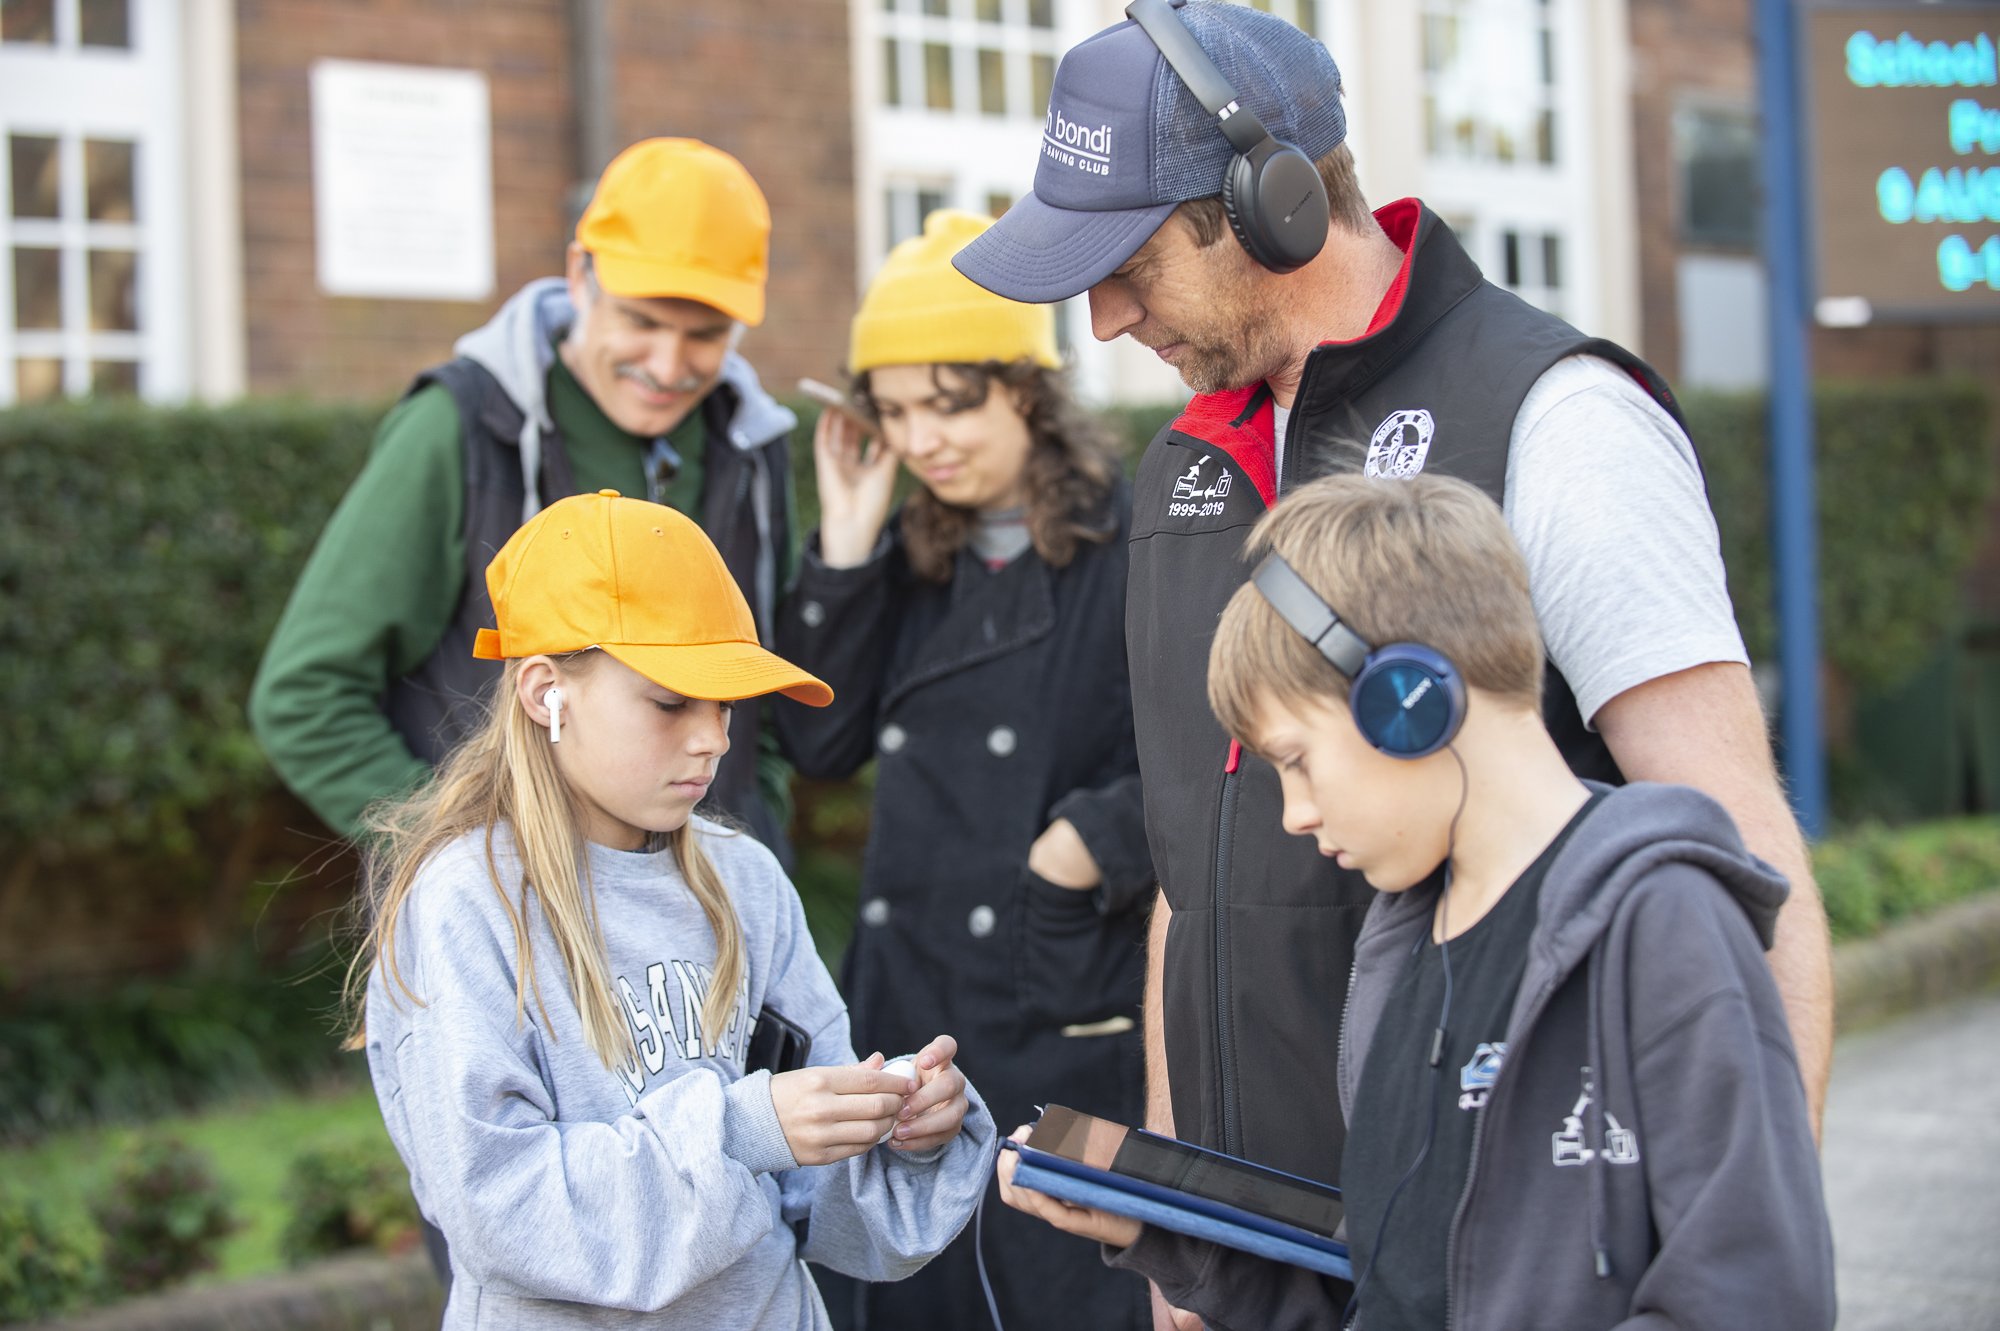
(856, 485)
(1060, 856)
(934, 1114)
(1119, 1231)
(831, 1113)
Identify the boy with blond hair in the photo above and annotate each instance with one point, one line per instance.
(1571, 1093)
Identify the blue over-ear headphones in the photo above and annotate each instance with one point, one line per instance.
(1408, 700)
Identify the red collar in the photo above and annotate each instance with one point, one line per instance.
(1224, 421)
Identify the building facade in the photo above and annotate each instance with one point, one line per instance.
(173, 218)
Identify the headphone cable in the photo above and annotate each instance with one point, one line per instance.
(1436, 1059)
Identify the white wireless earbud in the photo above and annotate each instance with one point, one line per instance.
(553, 701)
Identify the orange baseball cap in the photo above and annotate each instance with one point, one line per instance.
(676, 217)
(643, 583)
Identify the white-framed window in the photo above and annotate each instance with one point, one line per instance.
(1507, 87)
(994, 58)
(1302, 14)
(1489, 80)
(92, 284)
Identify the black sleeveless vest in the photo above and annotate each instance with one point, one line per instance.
(437, 705)
(1263, 929)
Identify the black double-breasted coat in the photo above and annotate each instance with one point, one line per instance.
(993, 703)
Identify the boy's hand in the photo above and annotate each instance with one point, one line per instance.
(933, 1114)
(1119, 1231)
(832, 1113)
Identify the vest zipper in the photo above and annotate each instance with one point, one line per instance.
(1219, 956)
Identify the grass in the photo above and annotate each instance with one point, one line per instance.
(252, 1144)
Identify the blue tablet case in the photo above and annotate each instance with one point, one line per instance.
(1327, 1256)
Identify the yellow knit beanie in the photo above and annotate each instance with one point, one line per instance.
(920, 310)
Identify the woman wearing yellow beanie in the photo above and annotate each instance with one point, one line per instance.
(975, 642)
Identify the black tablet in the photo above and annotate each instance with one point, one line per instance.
(1156, 1165)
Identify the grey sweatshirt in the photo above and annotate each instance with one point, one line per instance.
(1644, 1159)
(662, 1194)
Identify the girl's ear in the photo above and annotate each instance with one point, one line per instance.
(532, 682)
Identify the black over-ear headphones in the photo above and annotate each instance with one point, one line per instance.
(1408, 701)
(1271, 192)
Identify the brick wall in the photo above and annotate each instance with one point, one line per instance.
(1694, 48)
(766, 82)
(302, 341)
(770, 84)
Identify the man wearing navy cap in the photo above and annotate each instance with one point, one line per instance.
(1380, 348)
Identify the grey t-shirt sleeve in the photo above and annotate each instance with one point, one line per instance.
(1606, 500)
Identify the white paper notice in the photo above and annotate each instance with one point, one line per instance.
(402, 181)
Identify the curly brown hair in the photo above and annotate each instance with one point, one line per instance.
(1073, 465)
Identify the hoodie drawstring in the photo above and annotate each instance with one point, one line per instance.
(1597, 1166)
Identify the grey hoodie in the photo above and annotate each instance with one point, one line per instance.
(1644, 1159)
(516, 347)
(661, 1194)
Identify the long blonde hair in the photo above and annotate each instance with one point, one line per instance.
(505, 772)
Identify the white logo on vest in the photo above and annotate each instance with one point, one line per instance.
(1400, 445)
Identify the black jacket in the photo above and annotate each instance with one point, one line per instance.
(1645, 1159)
(993, 704)
(1263, 928)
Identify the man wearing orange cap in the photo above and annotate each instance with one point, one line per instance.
(622, 375)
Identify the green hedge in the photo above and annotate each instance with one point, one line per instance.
(1873, 876)
(1905, 472)
(146, 553)
(144, 557)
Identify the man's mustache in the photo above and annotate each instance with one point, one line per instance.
(687, 383)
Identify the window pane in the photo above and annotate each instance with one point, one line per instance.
(37, 288)
(1552, 268)
(106, 23)
(1716, 149)
(1041, 13)
(937, 76)
(114, 378)
(1548, 57)
(993, 83)
(988, 11)
(35, 165)
(928, 202)
(28, 21)
(1510, 249)
(114, 291)
(1545, 138)
(941, 8)
(109, 192)
(1309, 17)
(892, 73)
(38, 379)
(1043, 69)
(998, 202)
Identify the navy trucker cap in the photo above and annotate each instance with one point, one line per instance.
(1125, 142)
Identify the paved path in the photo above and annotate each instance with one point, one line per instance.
(1912, 1159)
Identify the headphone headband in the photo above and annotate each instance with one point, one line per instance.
(1239, 124)
(1310, 617)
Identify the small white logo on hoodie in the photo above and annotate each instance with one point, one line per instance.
(1621, 1144)
(1476, 1078)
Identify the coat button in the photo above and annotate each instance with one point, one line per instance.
(813, 613)
(1000, 742)
(980, 922)
(893, 736)
(876, 911)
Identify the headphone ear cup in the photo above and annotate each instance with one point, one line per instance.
(1276, 205)
(1239, 204)
(1408, 701)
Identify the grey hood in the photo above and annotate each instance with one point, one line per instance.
(1669, 994)
(518, 344)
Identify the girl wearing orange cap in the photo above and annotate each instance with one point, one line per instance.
(601, 1037)
(976, 640)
